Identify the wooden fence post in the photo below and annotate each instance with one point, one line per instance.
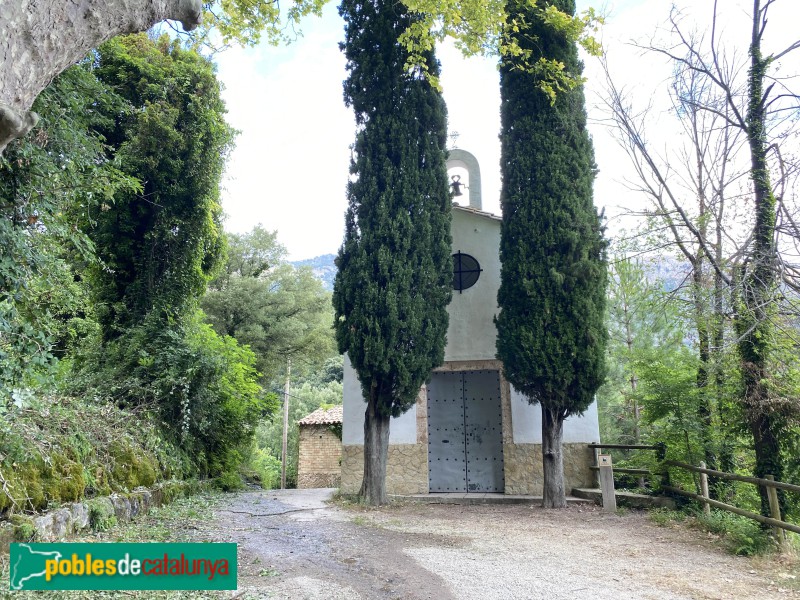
(596, 453)
(704, 490)
(607, 483)
(775, 509)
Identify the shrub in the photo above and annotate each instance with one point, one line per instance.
(203, 387)
(743, 536)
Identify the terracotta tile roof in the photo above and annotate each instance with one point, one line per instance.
(323, 417)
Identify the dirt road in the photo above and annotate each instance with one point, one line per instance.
(294, 545)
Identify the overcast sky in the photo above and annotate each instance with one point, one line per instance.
(290, 164)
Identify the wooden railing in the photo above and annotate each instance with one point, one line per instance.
(776, 521)
(660, 449)
(603, 465)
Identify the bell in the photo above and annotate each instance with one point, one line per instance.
(456, 185)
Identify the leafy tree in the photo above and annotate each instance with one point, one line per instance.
(252, 254)
(160, 247)
(642, 322)
(203, 387)
(551, 334)
(280, 311)
(393, 284)
(48, 182)
(735, 105)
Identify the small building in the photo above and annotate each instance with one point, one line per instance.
(470, 430)
(320, 444)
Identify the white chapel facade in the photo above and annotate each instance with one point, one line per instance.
(470, 430)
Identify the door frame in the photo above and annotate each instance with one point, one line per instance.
(505, 402)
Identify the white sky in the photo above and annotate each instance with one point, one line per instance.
(290, 164)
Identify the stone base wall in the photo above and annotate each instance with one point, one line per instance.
(406, 469)
(523, 468)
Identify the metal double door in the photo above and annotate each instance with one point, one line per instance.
(465, 432)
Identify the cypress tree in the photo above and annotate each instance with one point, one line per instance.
(394, 267)
(551, 334)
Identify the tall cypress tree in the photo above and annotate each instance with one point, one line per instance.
(395, 270)
(551, 335)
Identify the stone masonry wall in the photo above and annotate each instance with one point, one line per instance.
(77, 517)
(320, 454)
(406, 469)
(523, 466)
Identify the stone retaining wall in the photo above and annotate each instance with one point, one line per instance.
(78, 517)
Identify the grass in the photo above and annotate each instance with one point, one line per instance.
(60, 449)
(738, 535)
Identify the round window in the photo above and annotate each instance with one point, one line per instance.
(466, 271)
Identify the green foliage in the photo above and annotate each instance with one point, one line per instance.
(246, 22)
(492, 27)
(643, 324)
(279, 311)
(23, 528)
(60, 449)
(395, 272)
(202, 386)
(101, 514)
(742, 536)
(160, 247)
(268, 467)
(49, 181)
(477, 26)
(664, 516)
(551, 332)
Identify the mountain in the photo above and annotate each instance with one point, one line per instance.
(322, 266)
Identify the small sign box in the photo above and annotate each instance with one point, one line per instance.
(604, 460)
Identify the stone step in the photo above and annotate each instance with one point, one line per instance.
(481, 498)
(626, 499)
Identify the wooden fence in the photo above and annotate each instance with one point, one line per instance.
(776, 521)
(660, 449)
(769, 483)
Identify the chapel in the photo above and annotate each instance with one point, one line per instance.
(470, 431)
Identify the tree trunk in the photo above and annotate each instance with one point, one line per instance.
(376, 450)
(553, 495)
(704, 409)
(38, 40)
(752, 320)
(724, 488)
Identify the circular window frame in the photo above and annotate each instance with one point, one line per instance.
(465, 278)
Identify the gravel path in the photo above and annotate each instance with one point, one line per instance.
(293, 545)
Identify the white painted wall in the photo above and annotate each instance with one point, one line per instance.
(471, 334)
(402, 430)
(526, 423)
